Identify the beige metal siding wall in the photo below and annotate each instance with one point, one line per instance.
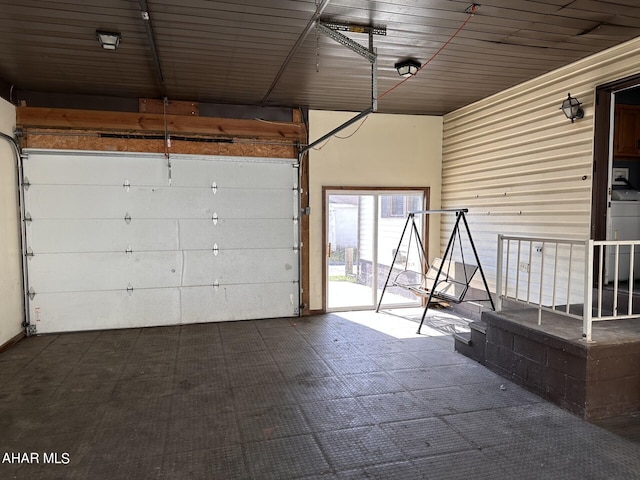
(519, 165)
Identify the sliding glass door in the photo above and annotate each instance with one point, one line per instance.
(362, 231)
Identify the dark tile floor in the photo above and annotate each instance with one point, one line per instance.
(329, 397)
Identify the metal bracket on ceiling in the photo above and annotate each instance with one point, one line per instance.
(346, 41)
(355, 27)
(332, 30)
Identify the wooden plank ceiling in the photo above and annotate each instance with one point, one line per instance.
(232, 51)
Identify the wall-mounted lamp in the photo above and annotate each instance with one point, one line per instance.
(572, 109)
(108, 40)
(408, 68)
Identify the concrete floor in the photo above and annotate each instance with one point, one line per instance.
(341, 396)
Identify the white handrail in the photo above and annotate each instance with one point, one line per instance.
(564, 277)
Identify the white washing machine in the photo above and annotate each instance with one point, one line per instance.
(624, 225)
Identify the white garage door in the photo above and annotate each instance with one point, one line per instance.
(122, 240)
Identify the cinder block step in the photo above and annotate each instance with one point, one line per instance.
(479, 327)
(472, 344)
(463, 337)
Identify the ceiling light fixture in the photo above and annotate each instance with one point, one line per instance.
(108, 40)
(408, 68)
(572, 109)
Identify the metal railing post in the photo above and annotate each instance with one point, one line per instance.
(632, 261)
(588, 292)
(540, 292)
(499, 274)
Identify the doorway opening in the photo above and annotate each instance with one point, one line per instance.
(361, 230)
(616, 175)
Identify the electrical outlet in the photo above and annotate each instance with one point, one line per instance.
(524, 267)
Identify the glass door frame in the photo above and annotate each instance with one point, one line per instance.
(376, 192)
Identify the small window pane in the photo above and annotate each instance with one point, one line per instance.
(385, 206)
(415, 203)
(398, 206)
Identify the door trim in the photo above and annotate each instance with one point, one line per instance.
(426, 191)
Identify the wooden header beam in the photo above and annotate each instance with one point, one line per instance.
(35, 117)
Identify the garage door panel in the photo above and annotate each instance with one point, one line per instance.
(76, 201)
(105, 235)
(63, 312)
(89, 169)
(207, 304)
(56, 201)
(60, 312)
(116, 235)
(237, 233)
(236, 266)
(230, 173)
(69, 272)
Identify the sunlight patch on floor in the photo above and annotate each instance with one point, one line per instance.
(403, 323)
